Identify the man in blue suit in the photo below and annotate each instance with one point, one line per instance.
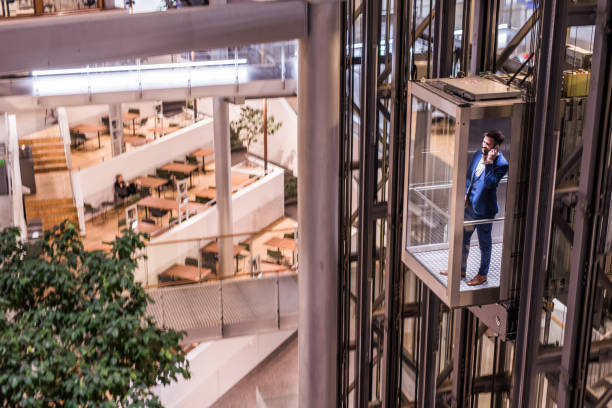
(486, 169)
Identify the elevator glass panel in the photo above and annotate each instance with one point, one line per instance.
(432, 146)
(486, 218)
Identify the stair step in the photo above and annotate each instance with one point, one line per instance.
(48, 153)
(47, 147)
(50, 168)
(45, 205)
(52, 211)
(49, 160)
(52, 201)
(47, 139)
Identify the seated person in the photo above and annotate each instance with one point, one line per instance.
(122, 190)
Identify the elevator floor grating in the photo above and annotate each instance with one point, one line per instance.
(435, 261)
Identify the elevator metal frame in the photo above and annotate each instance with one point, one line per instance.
(586, 202)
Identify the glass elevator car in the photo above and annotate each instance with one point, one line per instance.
(452, 194)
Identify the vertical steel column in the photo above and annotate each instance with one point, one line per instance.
(429, 336)
(484, 36)
(393, 344)
(367, 194)
(444, 26)
(463, 349)
(583, 276)
(223, 184)
(539, 200)
(318, 153)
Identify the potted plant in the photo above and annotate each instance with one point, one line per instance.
(250, 126)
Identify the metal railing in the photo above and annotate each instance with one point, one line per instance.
(226, 308)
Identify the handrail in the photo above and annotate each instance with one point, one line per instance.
(209, 237)
(483, 221)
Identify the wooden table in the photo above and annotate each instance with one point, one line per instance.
(159, 203)
(203, 153)
(283, 243)
(85, 128)
(135, 140)
(209, 193)
(151, 182)
(185, 272)
(148, 227)
(132, 117)
(213, 247)
(267, 267)
(180, 168)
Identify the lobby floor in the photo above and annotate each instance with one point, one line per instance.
(275, 381)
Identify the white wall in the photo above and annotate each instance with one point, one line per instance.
(30, 122)
(216, 366)
(95, 184)
(89, 114)
(253, 208)
(282, 146)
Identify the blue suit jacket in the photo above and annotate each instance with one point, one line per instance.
(484, 187)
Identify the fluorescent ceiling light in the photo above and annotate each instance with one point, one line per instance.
(121, 68)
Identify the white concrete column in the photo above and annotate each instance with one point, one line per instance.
(115, 122)
(318, 161)
(77, 194)
(14, 169)
(223, 184)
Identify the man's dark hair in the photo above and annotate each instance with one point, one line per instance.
(496, 135)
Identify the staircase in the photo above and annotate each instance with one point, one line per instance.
(48, 154)
(51, 211)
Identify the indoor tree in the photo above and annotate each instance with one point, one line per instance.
(74, 330)
(250, 126)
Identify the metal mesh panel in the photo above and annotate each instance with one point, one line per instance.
(247, 301)
(187, 307)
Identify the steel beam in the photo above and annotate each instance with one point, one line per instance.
(539, 200)
(367, 194)
(516, 40)
(318, 189)
(429, 332)
(112, 35)
(581, 14)
(464, 341)
(583, 271)
(444, 26)
(549, 359)
(484, 36)
(395, 310)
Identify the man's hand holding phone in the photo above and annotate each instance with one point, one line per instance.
(492, 155)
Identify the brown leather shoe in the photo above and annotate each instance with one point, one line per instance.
(477, 280)
(445, 273)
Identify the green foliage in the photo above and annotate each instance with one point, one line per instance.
(235, 141)
(291, 187)
(249, 127)
(73, 325)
